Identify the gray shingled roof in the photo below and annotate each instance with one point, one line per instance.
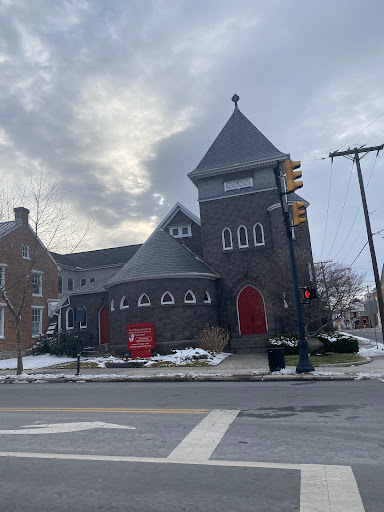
(95, 287)
(238, 143)
(161, 255)
(99, 258)
(7, 227)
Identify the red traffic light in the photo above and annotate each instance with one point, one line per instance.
(310, 293)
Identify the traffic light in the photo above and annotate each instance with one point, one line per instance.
(292, 175)
(310, 293)
(299, 213)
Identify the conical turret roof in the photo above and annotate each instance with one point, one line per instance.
(239, 143)
(161, 256)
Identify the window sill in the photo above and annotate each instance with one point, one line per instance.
(83, 326)
(37, 335)
(2, 337)
(36, 295)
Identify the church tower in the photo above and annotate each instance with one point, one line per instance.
(243, 235)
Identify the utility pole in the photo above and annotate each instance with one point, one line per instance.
(355, 152)
(304, 365)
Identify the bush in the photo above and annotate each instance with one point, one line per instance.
(286, 341)
(61, 344)
(339, 343)
(213, 339)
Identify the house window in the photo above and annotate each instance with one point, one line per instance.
(2, 311)
(143, 300)
(25, 252)
(83, 325)
(180, 231)
(190, 297)
(83, 281)
(92, 279)
(238, 184)
(37, 323)
(70, 284)
(124, 303)
(37, 283)
(60, 283)
(70, 320)
(2, 275)
(167, 298)
(112, 305)
(207, 298)
(226, 237)
(258, 234)
(242, 236)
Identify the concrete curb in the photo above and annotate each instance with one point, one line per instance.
(186, 378)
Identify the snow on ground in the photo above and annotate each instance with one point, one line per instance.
(362, 376)
(33, 362)
(356, 337)
(189, 355)
(372, 351)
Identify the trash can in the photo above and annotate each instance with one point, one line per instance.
(276, 359)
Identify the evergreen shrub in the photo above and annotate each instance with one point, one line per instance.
(64, 343)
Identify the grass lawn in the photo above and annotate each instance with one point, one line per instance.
(73, 365)
(331, 359)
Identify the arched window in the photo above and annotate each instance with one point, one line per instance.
(143, 300)
(242, 237)
(258, 234)
(226, 237)
(190, 297)
(112, 305)
(69, 319)
(207, 298)
(83, 325)
(124, 303)
(167, 298)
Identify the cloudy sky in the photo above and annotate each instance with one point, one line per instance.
(119, 100)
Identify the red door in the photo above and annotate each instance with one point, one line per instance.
(250, 305)
(104, 325)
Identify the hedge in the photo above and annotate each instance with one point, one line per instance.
(60, 344)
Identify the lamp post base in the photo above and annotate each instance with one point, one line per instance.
(304, 365)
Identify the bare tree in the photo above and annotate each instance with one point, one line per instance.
(338, 287)
(51, 228)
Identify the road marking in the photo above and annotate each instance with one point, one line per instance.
(60, 428)
(323, 488)
(202, 441)
(105, 409)
(329, 489)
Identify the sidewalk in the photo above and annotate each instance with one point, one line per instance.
(238, 367)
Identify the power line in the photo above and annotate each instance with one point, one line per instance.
(354, 220)
(374, 138)
(350, 140)
(342, 210)
(326, 217)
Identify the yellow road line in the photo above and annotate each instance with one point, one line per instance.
(105, 409)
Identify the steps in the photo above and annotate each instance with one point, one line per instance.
(249, 344)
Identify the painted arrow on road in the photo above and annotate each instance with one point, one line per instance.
(60, 428)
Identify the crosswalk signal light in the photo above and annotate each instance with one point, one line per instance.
(293, 175)
(310, 293)
(299, 213)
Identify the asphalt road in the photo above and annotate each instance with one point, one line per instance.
(368, 333)
(147, 467)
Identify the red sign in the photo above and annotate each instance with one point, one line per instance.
(140, 339)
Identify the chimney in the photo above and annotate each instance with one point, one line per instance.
(21, 213)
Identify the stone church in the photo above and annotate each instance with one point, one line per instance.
(230, 267)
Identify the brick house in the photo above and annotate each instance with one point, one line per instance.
(22, 254)
(230, 267)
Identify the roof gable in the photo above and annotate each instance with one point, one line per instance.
(239, 143)
(175, 210)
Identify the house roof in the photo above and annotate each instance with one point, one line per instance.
(239, 143)
(95, 287)
(7, 227)
(161, 256)
(172, 213)
(99, 258)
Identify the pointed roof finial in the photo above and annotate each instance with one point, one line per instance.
(235, 99)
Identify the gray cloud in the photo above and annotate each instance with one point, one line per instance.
(119, 100)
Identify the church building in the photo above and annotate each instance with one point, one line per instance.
(230, 267)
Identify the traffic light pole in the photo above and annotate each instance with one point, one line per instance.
(304, 365)
(355, 152)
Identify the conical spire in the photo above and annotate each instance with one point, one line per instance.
(239, 143)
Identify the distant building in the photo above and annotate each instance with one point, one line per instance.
(230, 267)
